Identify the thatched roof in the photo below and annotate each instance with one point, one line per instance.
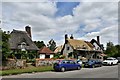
(93, 40)
(79, 44)
(19, 37)
(89, 44)
(58, 49)
(45, 50)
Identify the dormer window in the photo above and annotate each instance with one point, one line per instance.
(23, 44)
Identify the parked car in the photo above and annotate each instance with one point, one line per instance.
(79, 61)
(93, 63)
(63, 65)
(118, 58)
(110, 61)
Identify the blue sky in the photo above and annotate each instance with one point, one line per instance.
(66, 8)
(85, 20)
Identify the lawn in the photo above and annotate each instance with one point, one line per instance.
(26, 70)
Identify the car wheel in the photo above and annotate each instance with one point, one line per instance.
(78, 67)
(63, 69)
(100, 65)
(111, 64)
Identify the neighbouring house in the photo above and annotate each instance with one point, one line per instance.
(82, 49)
(21, 41)
(45, 53)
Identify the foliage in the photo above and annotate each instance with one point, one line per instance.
(56, 56)
(118, 51)
(39, 44)
(59, 56)
(62, 57)
(26, 54)
(112, 50)
(52, 45)
(26, 70)
(5, 45)
(70, 54)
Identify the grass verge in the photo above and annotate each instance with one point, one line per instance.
(26, 70)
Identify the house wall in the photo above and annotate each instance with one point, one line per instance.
(66, 50)
(96, 47)
(85, 54)
(51, 55)
(42, 56)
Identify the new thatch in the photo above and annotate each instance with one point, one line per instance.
(79, 44)
(58, 49)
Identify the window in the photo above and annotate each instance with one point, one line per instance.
(47, 56)
(22, 46)
(72, 62)
(68, 48)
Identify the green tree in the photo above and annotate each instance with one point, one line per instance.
(52, 45)
(5, 45)
(111, 50)
(118, 51)
(39, 44)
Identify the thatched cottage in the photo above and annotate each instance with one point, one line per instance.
(22, 41)
(79, 48)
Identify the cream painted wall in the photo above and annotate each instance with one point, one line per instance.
(65, 51)
(51, 55)
(42, 56)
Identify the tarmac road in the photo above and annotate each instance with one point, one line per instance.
(99, 72)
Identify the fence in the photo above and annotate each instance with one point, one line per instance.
(45, 62)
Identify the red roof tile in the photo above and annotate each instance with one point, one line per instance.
(45, 50)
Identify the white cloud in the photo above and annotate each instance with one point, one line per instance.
(99, 19)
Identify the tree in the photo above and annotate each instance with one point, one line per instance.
(52, 45)
(111, 50)
(39, 44)
(5, 45)
(118, 51)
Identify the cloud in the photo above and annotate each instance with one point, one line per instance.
(90, 18)
(99, 19)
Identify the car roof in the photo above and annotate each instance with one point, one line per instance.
(63, 60)
(111, 58)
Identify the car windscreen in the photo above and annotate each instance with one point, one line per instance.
(91, 61)
(109, 59)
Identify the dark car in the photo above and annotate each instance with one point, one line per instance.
(118, 58)
(93, 63)
(63, 65)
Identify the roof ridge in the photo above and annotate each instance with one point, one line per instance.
(19, 31)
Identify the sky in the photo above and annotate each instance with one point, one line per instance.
(52, 20)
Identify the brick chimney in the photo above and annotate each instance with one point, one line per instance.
(98, 39)
(28, 30)
(71, 37)
(66, 37)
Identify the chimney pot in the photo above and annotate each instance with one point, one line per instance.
(98, 39)
(71, 37)
(28, 30)
(66, 37)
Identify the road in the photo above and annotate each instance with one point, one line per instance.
(99, 72)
